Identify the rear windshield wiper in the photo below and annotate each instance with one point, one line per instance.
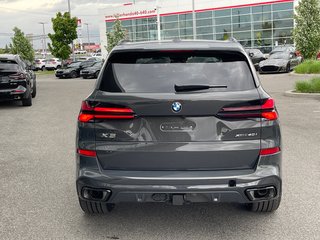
(189, 88)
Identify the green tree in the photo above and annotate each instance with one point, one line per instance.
(7, 49)
(117, 34)
(225, 35)
(307, 30)
(21, 45)
(65, 31)
(259, 38)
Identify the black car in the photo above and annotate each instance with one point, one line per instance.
(279, 62)
(16, 83)
(73, 69)
(91, 72)
(178, 122)
(256, 57)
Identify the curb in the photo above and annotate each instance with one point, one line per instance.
(305, 74)
(292, 93)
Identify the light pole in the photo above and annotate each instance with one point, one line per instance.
(158, 20)
(44, 43)
(72, 45)
(87, 24)
(194, 22)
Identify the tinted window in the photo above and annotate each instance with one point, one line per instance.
(8, 65)
(74, 65)
(152, 72)
(279, 55)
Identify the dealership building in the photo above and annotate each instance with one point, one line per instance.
(254, 23)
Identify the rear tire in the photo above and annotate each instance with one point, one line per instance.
(265, 206)
(91, 207)
(27, 102)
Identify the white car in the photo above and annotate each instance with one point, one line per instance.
(53, 64)
(40, 64)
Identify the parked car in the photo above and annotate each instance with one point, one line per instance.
(72, 70)
(53, 64)
(279, 62)
(91, 72)
(178, 122)
(16, 82)
(256, 57)
(40, 64)
(318, 56)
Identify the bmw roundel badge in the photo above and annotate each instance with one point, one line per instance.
(176, 107)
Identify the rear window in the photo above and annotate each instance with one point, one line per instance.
(158, 72)
(8, 65)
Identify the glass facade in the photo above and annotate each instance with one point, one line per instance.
(261, 26)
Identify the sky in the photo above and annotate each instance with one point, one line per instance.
(26, 15)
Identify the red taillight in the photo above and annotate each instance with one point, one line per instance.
(89, 113)
(17, 76)
(113, 110)
(83, 117)
(269, 151)
(270, 115)
(88, 153)
(268, 104)
(266, 111)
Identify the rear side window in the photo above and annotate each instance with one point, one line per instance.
(8, 65)
(159, 71)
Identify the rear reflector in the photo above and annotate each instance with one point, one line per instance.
(89, 113)
(88, 153)
(265, 110)
(269, 151)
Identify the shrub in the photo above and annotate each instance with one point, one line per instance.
(308, 66)
(310, 86)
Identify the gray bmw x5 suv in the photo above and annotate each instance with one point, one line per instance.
(178, 122)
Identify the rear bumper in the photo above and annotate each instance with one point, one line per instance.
(13, 94)
(194, 186)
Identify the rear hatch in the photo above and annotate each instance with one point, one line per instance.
(9, 74)
(177, 110)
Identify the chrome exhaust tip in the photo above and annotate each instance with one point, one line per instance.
(95, 194)
(264, 193)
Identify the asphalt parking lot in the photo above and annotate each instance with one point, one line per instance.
(37, 174)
